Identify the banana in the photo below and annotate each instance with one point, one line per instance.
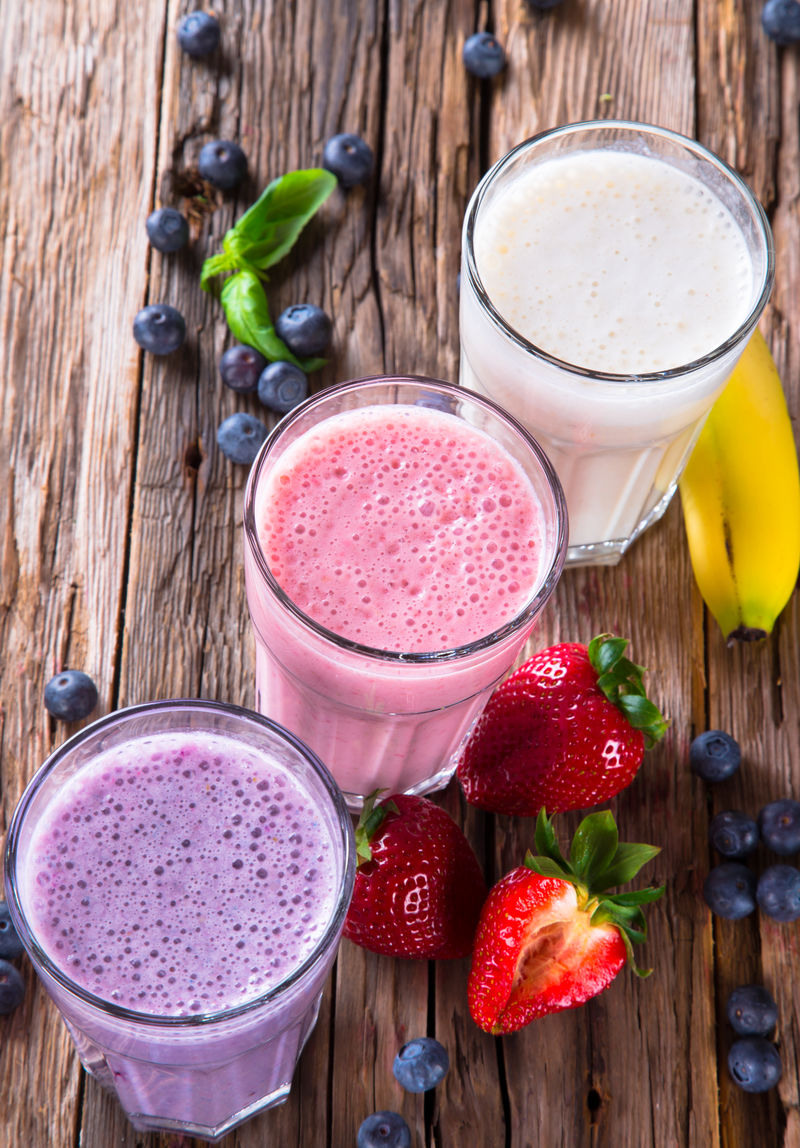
(741, 500)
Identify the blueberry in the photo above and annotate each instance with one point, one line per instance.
(282, 386)
(752, 1011)
(730, 890)
(754, 1064)
(714, 755)
(167, 230)
(198, 34)
(222, 163)
(778, 892)
(304, 328)
(70, 695)
(10, 944)
(240, 437)
(780, 19)
(349, 158)
(159, 328)
(384, 1130)
(483, 55)
(779, 823)
(240, 367)
(733, 833)
(12, 988)
(421, 1064)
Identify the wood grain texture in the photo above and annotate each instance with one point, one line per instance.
(120, 536)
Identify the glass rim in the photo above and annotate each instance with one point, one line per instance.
(744, 329)
(528, 612)
(194, 1020)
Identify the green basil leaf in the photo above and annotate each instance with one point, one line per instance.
(247, 313)
(269, 229)
(213, 266)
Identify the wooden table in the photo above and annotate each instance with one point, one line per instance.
(120, 536)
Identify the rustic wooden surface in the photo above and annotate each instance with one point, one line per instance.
(120, 539)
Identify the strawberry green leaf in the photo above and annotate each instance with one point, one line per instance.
(627, 862)
(622, 683)
(546, 867)
(370, 821)
(545, 839)
(594, 845)
(637, 896)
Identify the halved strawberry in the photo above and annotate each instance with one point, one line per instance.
(419, 887)
(567, 730)
(550, 936)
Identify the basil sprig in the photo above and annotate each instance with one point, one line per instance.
(265, 234)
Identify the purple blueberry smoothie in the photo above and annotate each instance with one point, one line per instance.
(181, 887)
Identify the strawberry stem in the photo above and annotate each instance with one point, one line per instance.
(622, 683)
(599, 861)
(370, 821)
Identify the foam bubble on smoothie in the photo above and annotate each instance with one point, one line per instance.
(180, 876)
(402, 528)
(614, 261)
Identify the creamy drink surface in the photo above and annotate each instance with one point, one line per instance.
(402, 528)
(614, 261)
(180, 874)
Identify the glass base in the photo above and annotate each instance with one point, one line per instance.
(144, 1123)
(609, 552)
(355, 801)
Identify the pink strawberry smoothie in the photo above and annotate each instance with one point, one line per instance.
(391, 551)
(402, 528)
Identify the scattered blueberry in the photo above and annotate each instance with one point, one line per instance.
(10, 944)
(349, 158)
(754, 1064)
(240, 367)
(384, 1130)
(778, 892)
(780, 19)
(282, 386)
(779, 823)
(714, 755)
(752, 1011)
(240, 437)
(421, 1064)
(222, 163)
(730, 890)
(198, 34)
(483, 55)
(159, 328)
(167, 230)
(733, 833)
(304, 328)
(12, 988)
(70, 695)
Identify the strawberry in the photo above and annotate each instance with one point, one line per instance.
(550, 936)
(567, 730)
(419, 887)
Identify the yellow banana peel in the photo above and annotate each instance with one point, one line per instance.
(741, 500)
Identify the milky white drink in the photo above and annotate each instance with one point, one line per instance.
(612, 274)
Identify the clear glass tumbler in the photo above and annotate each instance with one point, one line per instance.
(612, 273)
(390, 718)
(197, 1069)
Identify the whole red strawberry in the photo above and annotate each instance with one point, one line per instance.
(567, 730)
(550, 936)
(419, 887)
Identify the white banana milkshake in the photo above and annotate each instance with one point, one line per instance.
(611, 276)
